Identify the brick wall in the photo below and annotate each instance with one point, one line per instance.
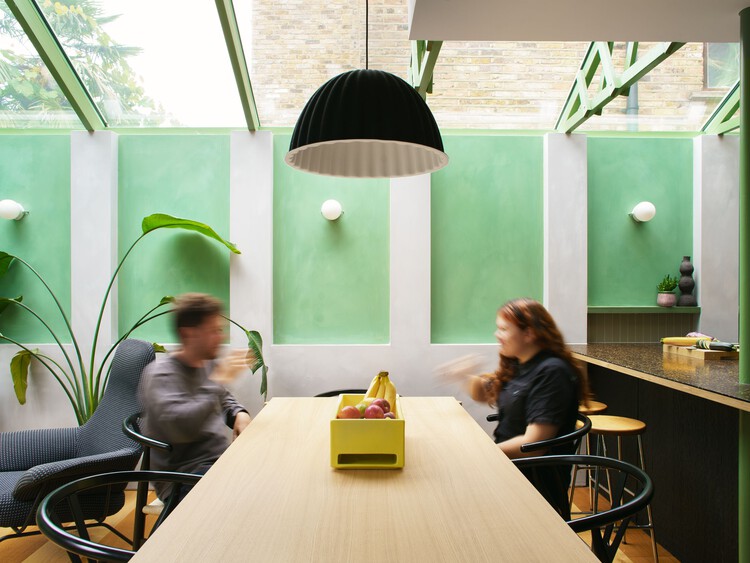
(298, 45)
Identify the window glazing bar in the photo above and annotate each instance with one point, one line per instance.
(231, 31)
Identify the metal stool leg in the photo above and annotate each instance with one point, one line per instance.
(648, 507)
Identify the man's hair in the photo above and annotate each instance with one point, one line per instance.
(191, 309)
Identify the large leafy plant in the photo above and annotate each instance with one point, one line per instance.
(84, 382)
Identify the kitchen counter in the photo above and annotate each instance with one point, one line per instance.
(715, 380)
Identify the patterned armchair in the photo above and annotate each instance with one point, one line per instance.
(34, 462)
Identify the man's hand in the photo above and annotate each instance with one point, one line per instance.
(241, 420)
(229, 367)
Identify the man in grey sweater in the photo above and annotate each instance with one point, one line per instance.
(186, 403)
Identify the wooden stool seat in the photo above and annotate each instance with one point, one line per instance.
(609, 425)
(594, 407)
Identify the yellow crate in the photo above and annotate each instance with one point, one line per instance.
(366, 443)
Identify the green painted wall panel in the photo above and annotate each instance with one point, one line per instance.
(626, 259)
(487, 233)
(331, 280)
(182, 175)
(35, 171)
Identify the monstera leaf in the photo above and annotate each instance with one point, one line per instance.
(162, 221)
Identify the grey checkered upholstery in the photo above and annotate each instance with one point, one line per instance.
(34, 462)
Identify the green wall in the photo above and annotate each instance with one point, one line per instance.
(35, 171)
(626, 259)
(331, 280)
(182, 175)
(487, 233)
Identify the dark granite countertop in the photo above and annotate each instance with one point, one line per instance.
(716, 380)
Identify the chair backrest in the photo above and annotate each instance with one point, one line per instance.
(573, 437)
(605, 536)
(68, 498)
(340, 391)
(103, 432)
(131, 426)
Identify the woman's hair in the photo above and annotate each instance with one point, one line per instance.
(529, 314)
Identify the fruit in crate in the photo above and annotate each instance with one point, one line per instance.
(381, 387)
(374, 411)
(349, 412)
(383, 404)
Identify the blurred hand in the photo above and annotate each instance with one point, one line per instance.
(229, 367)
(460, 369)
(241, 420)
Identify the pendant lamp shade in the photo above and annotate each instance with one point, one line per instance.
(366, 124)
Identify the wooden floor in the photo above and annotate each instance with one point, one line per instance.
(36, 549)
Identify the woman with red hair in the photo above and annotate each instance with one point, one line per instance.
(537, 388)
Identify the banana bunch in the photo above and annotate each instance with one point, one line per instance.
(684, 340)
(381, 387)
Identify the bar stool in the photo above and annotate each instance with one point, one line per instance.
(584, 447)
(603, 425)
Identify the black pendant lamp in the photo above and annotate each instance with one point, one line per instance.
(366, 124)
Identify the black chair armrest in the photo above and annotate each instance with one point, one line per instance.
(49, 475)
(131, 427)
(23, 449)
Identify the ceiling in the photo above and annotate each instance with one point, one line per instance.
(576, 20)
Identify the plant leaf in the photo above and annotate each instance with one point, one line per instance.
(264, 382)
(19, 371)
(158, 348)
(5, 262)
(255, 344)
(5, 301)
(163, 221)
(166, 299)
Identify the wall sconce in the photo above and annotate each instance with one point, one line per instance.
(10, 209)
(331, 209)
(643, 212)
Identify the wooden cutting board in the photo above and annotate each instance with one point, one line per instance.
(700, 353)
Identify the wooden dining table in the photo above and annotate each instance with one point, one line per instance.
(273, 496)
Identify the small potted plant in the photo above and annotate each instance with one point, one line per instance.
(666, 296)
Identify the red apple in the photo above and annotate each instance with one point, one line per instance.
(374, 411)
(390, 415)
(383, 404)
(349, 412)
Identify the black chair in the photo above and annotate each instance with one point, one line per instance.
(574, 437)
(340, 391)
(132, 428)
(34, 462)
(66, 502)
(606, 533)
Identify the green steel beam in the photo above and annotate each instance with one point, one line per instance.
(724, 118)
(743, 485)
(421, 68)
(51, 52)
(239, 63)
(580, 106)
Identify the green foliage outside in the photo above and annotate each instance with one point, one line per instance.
(26, 84)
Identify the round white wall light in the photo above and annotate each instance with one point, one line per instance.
(10, 209)
(643, 212)
(331, 209)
